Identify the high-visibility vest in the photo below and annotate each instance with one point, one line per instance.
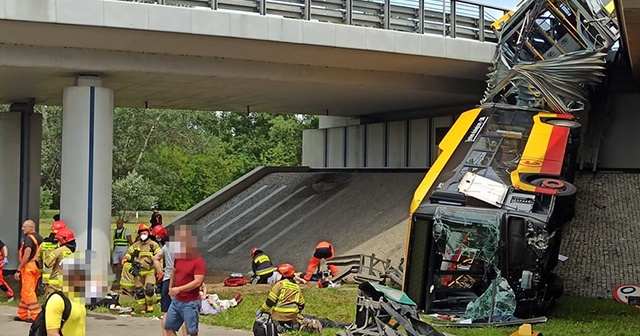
(120, 240)
(289, 298)
(263, 265)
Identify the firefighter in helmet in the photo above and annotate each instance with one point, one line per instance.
(285, 302)
(67, 240)
(49, 244)
(261, 266)
(140, 254)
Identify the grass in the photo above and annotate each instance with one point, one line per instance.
(46, 220)
(570, 316)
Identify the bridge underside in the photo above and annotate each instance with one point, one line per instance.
(187, 71)
(629, 17)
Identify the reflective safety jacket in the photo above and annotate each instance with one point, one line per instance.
(120, 239)
(262, 265)
(53, 261)
(285, 301)
(45, 248)
(143, 252)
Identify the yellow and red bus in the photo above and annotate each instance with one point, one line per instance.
(492, 207)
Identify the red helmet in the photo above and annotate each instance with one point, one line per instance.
(65, 235)
(159, 231)
(57, 226)
(143, 227)
(286, 270)
(254, 251)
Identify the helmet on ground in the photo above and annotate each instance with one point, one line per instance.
(143, 227)
(159, 231)
(254, 251)
(286, 270)
(57, 226)
(65, 235)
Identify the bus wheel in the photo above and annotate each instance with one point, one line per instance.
(564, 188)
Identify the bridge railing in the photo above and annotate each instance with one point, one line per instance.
(453, 18)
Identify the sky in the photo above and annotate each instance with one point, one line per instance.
(501, 3)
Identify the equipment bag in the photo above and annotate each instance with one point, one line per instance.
(264, 326)
(235, 282)
(39, 325)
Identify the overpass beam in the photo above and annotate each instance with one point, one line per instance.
(20, 132)
(87, 145)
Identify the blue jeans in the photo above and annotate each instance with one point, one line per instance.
(183, 312)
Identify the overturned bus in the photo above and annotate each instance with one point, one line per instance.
(493, 207)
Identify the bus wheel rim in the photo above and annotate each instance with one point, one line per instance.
(553, 184)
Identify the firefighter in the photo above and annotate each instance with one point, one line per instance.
(67, 240)
(49, 244)
(140, 254)
(28, 273)
(261, 266)
(285, 302)
(324, 250)
(160, 235)
(156, 217)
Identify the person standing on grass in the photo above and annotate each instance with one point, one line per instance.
(166, 257)
(189, 269)
(4, 253)
(28, 273)
(121, 242)
(156, 217)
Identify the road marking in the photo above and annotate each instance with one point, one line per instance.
(283, 232)
(237, 205)
(284, 215)
(259, 203)
(253, 221)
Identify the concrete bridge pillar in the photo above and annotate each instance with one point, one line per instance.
(87, 145)
(20, 142)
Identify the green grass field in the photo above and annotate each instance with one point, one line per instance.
(46, 220)
(570, 316)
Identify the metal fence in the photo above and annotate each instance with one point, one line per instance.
(453, 18)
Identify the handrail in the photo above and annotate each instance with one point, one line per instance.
(452, 18)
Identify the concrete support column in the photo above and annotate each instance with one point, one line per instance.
(21, 133)
(87, 145)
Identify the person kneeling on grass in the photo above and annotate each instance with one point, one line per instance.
(285, 303)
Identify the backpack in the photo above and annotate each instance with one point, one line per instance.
(39, 325)
(264, 326)
(235, 282)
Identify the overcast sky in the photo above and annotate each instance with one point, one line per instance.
(501, 3)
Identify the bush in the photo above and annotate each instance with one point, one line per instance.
(130, 194)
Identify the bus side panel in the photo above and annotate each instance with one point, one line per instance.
(416, 270)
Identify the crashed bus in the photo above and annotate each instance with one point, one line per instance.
(493, 206)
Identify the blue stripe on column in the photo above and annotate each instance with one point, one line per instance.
(92, 118)
(23, 158)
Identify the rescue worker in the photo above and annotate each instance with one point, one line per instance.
(67, 240)
(160, 235)
(156, 217)
(140, 254)
(324, 250)
(121, 242)
(285, 303)
(4, 254)
(28, 273)
(49, 244)
(261, 266)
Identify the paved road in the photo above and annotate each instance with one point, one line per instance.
(105, 324)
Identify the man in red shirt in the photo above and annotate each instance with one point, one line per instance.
(184, 285)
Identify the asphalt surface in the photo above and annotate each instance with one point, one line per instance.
(105, 324)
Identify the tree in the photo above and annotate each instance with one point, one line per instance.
(130, 194)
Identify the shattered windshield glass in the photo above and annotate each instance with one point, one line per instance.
(468, 241)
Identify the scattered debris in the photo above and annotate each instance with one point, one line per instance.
(525, 330)
(367, 268)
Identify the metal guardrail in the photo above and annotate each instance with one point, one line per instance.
(453, 18)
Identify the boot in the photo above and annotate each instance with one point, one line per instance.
(149, 308)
